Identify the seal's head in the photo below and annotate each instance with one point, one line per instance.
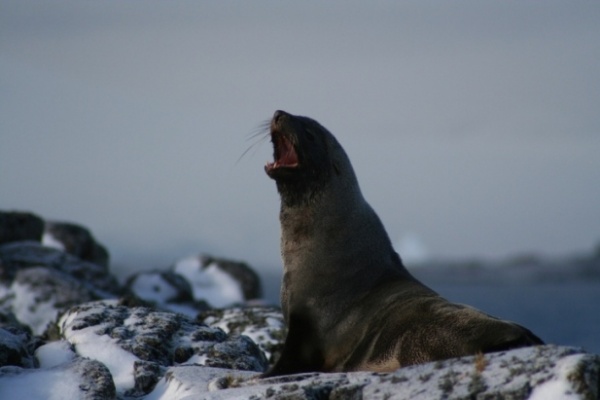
(306, 157)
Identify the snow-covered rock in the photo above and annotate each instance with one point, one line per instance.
(220, 282)
(160, 287)
(165, 290)
(196, 283)
(39, 294)
(135, 342)
(76, 240)
(16, 346)
(17, 256)
(264, 325)
(545, 372)
(37, 283)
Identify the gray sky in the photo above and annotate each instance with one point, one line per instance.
(472, 125)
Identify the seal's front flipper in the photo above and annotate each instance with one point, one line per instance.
(301, 351)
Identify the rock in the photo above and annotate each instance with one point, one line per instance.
(220, 282)
(120, 337)
(264, 325)
(21, 255)
(20, 226)
(79, 379)
(195, 284)
(16, 346)
(165, 290)
(146, 374)
(8, 318)
(75, 240)
(544, 372)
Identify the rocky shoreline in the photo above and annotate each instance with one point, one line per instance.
(69, 330)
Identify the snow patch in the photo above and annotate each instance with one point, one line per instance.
(45, 384)
(199, 359)
(49, 240)
(54, 353)
(560, 387)
(152, 287)
(106, 350)
(89, 344)
(31, 310)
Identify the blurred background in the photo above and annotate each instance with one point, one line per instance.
(473, 127)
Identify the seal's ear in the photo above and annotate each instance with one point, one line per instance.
(337, 169)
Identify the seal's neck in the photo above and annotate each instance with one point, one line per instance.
(331, 225)
(319, 204)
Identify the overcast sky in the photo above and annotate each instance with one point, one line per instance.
(472, 125)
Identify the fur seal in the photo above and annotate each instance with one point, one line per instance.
(348, 301)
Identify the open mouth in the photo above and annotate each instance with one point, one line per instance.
(284, 153)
